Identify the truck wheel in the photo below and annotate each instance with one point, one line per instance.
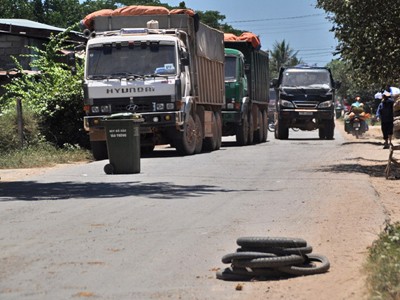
(242, 132)
(281, 132)
(329, 129)
(186, 143)
(265, 126)
(259, 133)
(199, 134)
(251, 129)
(210, 143)
(99, 150)
(321, 133)
(218, 121)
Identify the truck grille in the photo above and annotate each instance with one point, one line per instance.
(143, 104)
(306, 104)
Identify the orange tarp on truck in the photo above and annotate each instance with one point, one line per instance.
(245, 36)
(132, 10)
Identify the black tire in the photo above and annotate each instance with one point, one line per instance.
(259, 133)
(321, 133)
(227, 259)
(269, 262)
(242, 131)
(147, 149)
(278, 250)
(210, 143)
(329, 129)
(250, 140)
(260, 242)
(186, 144)
(99, 150)
(281, 131)
(109, 169)
(236, 273)
(199, 134)
(265, 126)
(308, 267)
(218, 121)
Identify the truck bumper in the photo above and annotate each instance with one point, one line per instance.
(93, 124)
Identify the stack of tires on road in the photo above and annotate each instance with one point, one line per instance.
(272, 257)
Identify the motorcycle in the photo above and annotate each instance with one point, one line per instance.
(356, 125)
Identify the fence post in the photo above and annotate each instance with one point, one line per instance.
(20, 122)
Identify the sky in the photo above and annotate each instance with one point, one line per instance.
(302, 26)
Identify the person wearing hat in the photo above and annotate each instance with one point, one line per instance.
(384, 113)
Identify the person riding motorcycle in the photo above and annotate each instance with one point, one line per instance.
(358, 114)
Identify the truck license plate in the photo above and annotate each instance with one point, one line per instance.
(305, 113)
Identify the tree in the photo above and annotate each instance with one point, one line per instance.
(368, 41)
(282, 55)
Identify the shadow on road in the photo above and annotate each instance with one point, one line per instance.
(35, 191)
(374, 170)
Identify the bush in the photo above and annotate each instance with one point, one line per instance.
(9, 136)
(55, 96)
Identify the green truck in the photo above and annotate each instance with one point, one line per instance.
(245, 113)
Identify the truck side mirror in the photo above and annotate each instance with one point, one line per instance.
(185, 59)
(337, 84)
(274, 82)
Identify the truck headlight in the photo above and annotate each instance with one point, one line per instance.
(160, 106)
(170, 106)
(286, 104)
(105, 108)
(95, 109)
(325, 104)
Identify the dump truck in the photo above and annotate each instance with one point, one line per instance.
(166, 66)
(245, 113)
(305, 101)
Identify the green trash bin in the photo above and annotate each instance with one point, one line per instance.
(123, 143)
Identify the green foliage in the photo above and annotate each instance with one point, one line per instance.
(383, 266)
(55, 96)
(9, 137)
(368, 35)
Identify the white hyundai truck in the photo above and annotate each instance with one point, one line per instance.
(167, 68)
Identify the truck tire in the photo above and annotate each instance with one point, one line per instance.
(251, 129)
(259, 133)
(210, 143)
(265, 126)
(281, 131)
(218, 119)
(99, 150)
(242, 131)
(329, 129)
(199, 134)
(186, 143)
(321, 133)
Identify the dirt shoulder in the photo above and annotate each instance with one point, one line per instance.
(372, 160)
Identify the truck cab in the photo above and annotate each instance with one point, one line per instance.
(305, 101)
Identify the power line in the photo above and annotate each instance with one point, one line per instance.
(274, 19)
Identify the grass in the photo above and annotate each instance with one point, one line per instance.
(383, 265)
(43, 155)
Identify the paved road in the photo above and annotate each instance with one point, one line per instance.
(76, 232)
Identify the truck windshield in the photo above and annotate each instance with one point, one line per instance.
(306, 78)
(116, 60)
(230, 68)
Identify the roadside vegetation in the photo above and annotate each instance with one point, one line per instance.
(52, 104)
(383, 265)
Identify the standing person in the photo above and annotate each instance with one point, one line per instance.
(385, 114)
